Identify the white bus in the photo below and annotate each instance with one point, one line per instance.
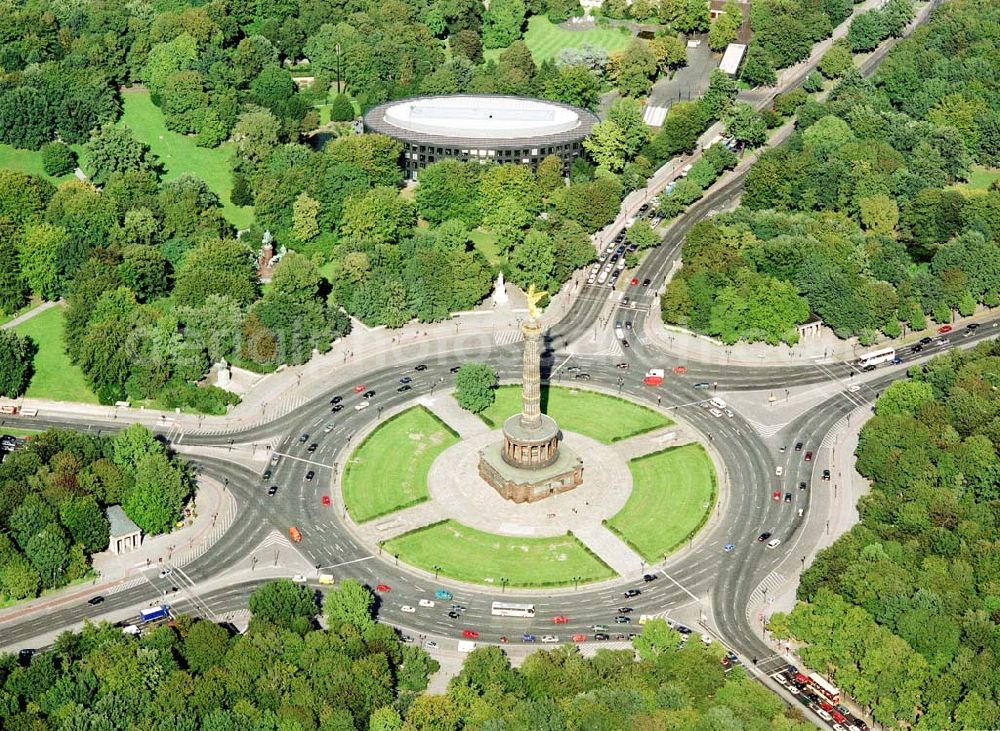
(886, 355)
(506, 609)
(826, 689)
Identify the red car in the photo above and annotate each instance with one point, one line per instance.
(384, 588)
(579, 638)
(653, 380)
(809, 457)
(680, 369)
(326, 500)
(776, 496)
(944, 329)
(560, 619)
(359, 388)
(470, 634)
(634, 281)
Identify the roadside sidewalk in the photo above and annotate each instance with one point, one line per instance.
(215, 510)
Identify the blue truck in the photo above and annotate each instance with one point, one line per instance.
(154, 613)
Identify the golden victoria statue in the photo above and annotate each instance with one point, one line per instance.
(533, 300)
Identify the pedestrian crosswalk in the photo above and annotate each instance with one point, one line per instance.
(654, 116)
(130, 584)
(765, 590)
(274, 538)
(765, 430)
(507, 337)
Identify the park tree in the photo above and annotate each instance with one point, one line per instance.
(879, 214)
(205, 646)
(374, 154)
(17, 355)
(502, 23)
(745, 125)
(509, 199)
(350, 603)
(574, 85)
(642, 234)
(670, 52)
(724, 27)
(144, 271)
(85, 522)
(285, 604)
(532, 260)
(158, 493)
(305, 214)
(380, 216)
(757, 68)
(475, 387)
(693, 17)
(632, 69)
(867, 30)
(114, 149)
(38, 258)
(217, 267)
(837, 60)
(449, 190)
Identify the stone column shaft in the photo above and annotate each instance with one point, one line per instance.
(531, 413)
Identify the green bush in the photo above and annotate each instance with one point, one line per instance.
(341, 110)
(58, 159)
(203, 399)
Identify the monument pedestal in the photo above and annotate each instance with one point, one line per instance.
(521, 485)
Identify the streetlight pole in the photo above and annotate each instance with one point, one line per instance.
(337, 48)
(436, 570)
(503, 584)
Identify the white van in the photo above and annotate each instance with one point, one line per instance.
(466, 645)
(718, 403)
(774, 543)
(362, 405)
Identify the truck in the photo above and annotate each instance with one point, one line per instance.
(294, 534)
(327, 579)
(153, 613)
(466, 645)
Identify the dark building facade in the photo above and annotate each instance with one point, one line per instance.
(494, 128)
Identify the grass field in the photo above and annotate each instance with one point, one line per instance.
(545, 40)
(179, 154)
(55, 377)
(596, 415)
(672, 493)
(467, 554)
(389, 470)
(980, 178)
(29, 161)
(487, 245)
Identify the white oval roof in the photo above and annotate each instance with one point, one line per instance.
(481, 117)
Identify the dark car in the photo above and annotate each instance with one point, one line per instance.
(763, 536)
(624, 610)
(272, 490)
(455, 369)
(303, 438)
(926, 341)
(624, 343)
(917, 348)
(266, 476)
(802, 486)
(826, 474)
(646, 282)
(453, 614)
(24, 656)
(788, 497)
(420, 367)
(629, 593)
(404, 388)
(602, 636)
(312, 447)
(95, 600)
(336, 399)
(702, 385)
(309, 475)
(868, 368)
(622, 619)
(336, 407)
(368, 394)
(582, 376)
(405, 379)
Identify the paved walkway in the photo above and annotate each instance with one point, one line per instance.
(37, 310)
(446, 408)
(654, 441)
